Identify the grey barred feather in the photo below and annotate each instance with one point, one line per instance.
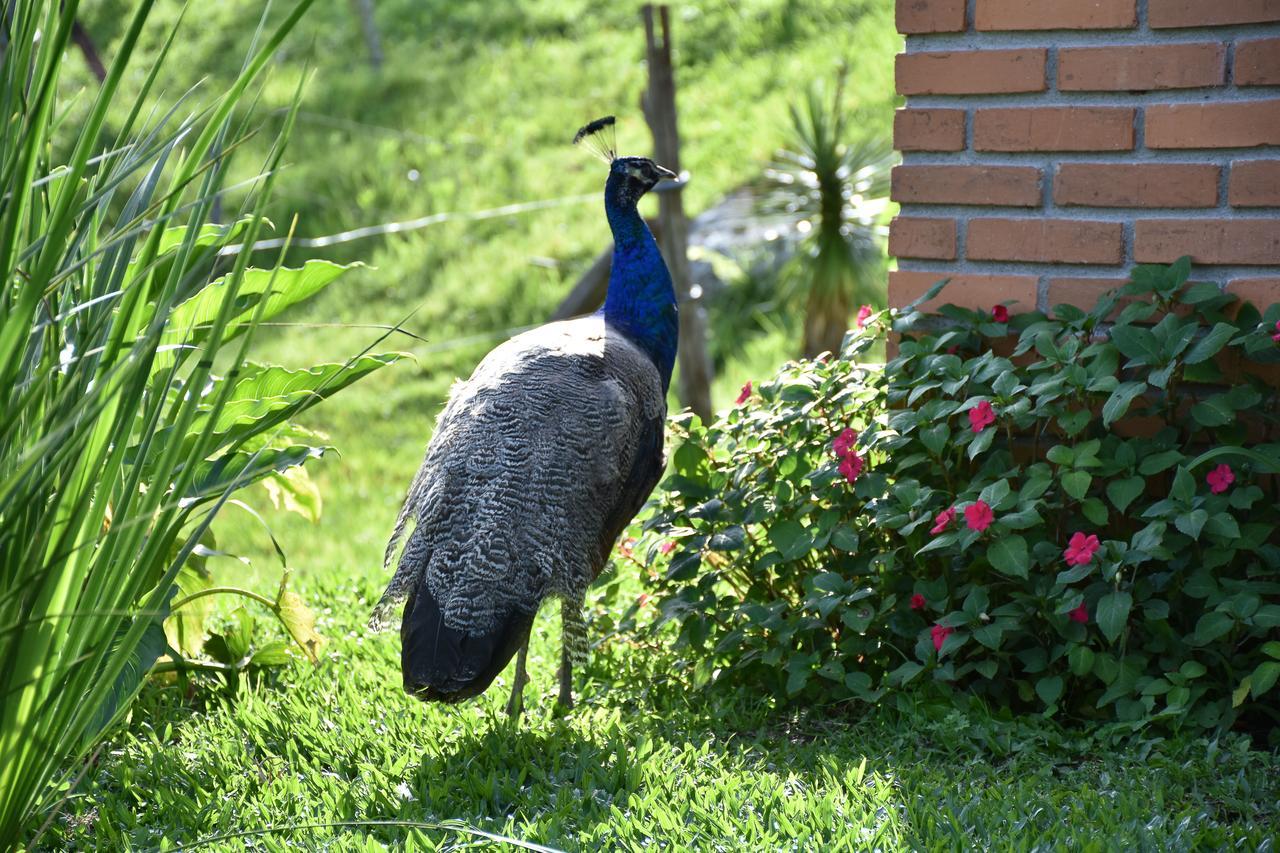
(537, 463)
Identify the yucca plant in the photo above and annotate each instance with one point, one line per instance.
(128, 411)
(832, 192)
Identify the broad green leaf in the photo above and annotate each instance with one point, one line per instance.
(1158, 462)
(1049, 689)
(1213, 341)
(1113, 613)
(294, 491)
(1137, 344)
(1191, 523)
(790, 538)
(1008, 555)
(1211, 626)
(1076, 483)
(300, 622)
(1119, 401)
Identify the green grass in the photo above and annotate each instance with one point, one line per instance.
(481, 99)
(641, 759)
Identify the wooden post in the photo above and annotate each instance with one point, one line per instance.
(660, 112)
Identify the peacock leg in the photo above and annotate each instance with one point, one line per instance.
(516, 704)
(573, 647)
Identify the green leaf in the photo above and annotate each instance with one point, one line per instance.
(1094, 510)
(1121, 493)
(1049, 689)
(1192, 522)
(1080, 659)
(1210, 627)
(843, 538)
(790, 538)
(1076, 483)
(1113, 612)
(1264, 678)
(1008, 555)
(1184, 486)
(981, 442)
(1223, 525)
(730, 539)
(1119, 401)
(1213, 412)
(935, 438)
(1208, 346)
(1164, 460)
(1137, 344)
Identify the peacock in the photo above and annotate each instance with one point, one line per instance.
(537, 463)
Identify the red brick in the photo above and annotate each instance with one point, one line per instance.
(1254, 183)
(1262, 292)
(970, 72)
(1129, 68)
(965, 289)
(996, 15)
(1053, 129)
(1164, 14)
(1136, 184)
(1233, 125)
(930, 16)
(1014, 186)
(928, 130)
(1048, 241)
(1207, 241)
(919, 237)
(1257, 63)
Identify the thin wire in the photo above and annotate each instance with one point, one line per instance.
(412, 224)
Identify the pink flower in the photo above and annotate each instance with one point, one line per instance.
(643, 599)
(851, 466)
(1276, 336)
(1220, 479)
(1081, 548)
(917, 602)
(746, 393)
(943, 520)
(981, 416)
(864, 314)
(844, 442)
(952, 350)
(978, 516)
(939, 634)
(667, 546)
(1080, 614)
(1000, 314)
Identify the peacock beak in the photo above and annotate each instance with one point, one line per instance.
(666, 174)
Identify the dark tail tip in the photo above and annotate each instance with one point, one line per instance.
(444, 664)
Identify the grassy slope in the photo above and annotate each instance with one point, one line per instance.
(479, 98)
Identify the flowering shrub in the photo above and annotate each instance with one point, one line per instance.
(1084, 527)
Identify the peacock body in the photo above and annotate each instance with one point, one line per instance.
(537, 463)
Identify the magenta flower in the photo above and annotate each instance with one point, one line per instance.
(844, 442)
(1080, 614)
(1081, 548)
(746, 393)
(1220, 479)
(978, 516)
(1276, 336)
(1000, 314)
(943, 520)
(667, 546)
(981, 416)
(917, 602)
(939, 634)
(851, 466)
(864, 314)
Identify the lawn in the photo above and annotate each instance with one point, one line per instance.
(472, 110)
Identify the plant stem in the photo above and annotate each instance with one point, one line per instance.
(221, 590)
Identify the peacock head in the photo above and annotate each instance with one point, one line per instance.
(629, 177)
(632, 177)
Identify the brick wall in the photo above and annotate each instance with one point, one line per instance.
(1049, 145)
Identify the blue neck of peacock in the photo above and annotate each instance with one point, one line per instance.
(640, 301)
